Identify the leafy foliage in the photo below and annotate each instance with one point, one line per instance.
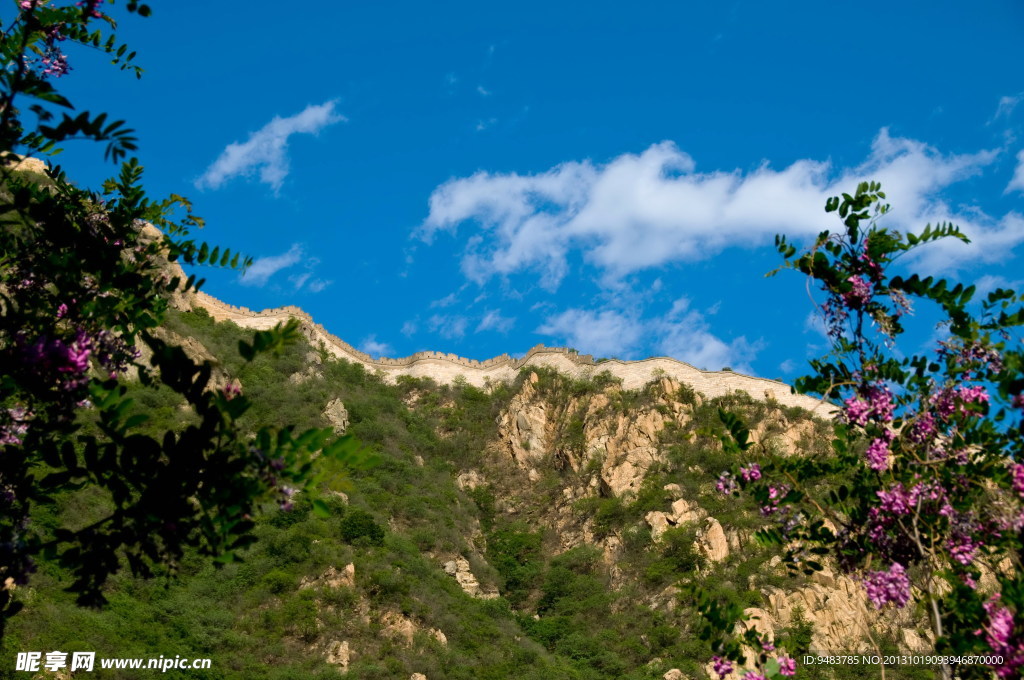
(922, 495)
(84, 285)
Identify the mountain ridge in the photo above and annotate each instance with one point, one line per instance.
(446, 368)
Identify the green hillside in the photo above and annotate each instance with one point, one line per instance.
(289, 609)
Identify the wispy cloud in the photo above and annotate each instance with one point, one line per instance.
(482, 125)
(263, 268)
(1017, 183)
(682, 333)
(446, 301)
(494, 321)
(607, 333)
(259, 273)
(482, 91)
(371, 346)
(1007, 105)
(685, 333)
(317, 285)
(450, 326)
(645, 210)
(988, 283)
(267, 149)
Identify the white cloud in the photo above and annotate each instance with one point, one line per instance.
(1017, 183)
(267, 149)
(683, 333)
(263, 268)
(787, 366)
(1007, 105)
(482, 91)
(607, 333)
(989, 282)
(446, 301)
(298, 280)
(494, 321)
(448, 326)
(374, 348)
(641, 211)
(409, 328)
(317, 285)
(815, 323)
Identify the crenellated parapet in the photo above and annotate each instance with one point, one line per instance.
(445, 367)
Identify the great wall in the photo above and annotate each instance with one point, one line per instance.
(446, 368)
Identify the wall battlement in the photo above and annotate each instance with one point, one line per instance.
(445, 367)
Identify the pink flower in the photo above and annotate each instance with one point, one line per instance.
(1017, 470)
(874, 270)
(753, 473)
(973, 394)
(722, 667)
(892, 586)
(962, 548)
(231, 390)
(878, 454)
(860, 294)
(726, 483)
(923, 428)
(787, 665)
(857, 411)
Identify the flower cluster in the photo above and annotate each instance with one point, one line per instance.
(89, 8)
(976, 357)
(884, 587)
(877, 453)
(750, 474)
(874, 402)
(722, 667)
(950, 401)
(57, 361)
(859, 294)
(1000, 636)
(775, 496)
(923, 428)
(726, 483)
(1017, 471)
(13, 425)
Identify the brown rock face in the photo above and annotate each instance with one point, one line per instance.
(523, 427)
(682, 512)
(712, 541)
(581, 431)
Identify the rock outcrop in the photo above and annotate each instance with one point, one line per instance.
(338, 654)
(337, 415)
(460, 569)
(332, 578)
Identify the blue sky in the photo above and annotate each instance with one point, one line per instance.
(481, 177)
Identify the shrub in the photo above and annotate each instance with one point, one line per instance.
(358, 527)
